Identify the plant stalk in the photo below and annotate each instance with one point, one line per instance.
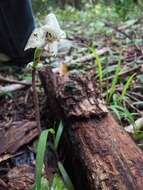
(36, 100)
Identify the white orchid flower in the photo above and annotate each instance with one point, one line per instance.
(53, 28)
(47, 36)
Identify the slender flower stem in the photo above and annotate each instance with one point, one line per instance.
(36, 100)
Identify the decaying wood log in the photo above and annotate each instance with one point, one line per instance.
(21, 177)
(19, 134)
(101, 155)
(3, 185)
(104, 155)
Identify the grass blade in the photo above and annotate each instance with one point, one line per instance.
(65, 176)
(58, 135)
(58, 183)
(114, 81)
(99, 67)
(126, 86)
(40, 156)
(115, 111)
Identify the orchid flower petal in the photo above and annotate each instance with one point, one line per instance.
(51, 48)
(37, 39)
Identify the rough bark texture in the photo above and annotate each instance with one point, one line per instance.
(103, 156)
(73, 95)
(20, 178)
(100, 153)
(19, 134)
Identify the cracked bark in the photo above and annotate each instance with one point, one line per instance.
(99, 153)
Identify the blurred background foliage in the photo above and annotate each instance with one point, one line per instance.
(121, 7)
(93, 14)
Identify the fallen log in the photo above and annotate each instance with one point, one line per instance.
(100, 154)
(19, 134)
(20, 177)
(12, 81)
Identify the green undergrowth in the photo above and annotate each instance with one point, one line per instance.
(61, 180)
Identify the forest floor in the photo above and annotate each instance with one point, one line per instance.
(112, 47)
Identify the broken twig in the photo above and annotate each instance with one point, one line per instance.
(11, 81)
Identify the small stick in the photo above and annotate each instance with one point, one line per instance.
(11, 81)
(86, 58)
(125, 73)
(107, 24)
(11, 88)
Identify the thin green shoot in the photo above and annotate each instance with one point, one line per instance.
(99, 68)
(114, 82)
(122, 113)
(126, 86)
